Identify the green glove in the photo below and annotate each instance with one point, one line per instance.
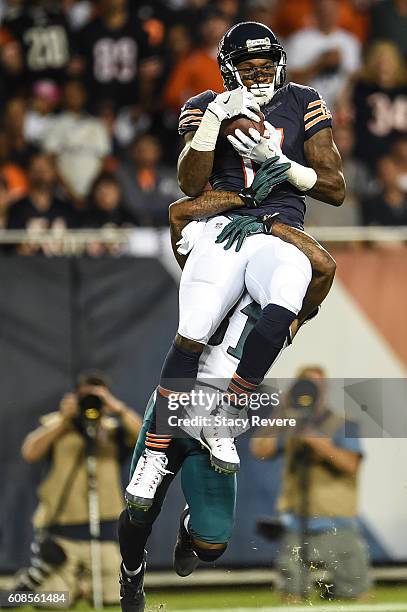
(268, 176)
(242, 226)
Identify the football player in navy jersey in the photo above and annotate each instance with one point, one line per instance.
(299, 148)
(207, 521)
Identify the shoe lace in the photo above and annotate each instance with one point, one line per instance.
(151, 470)
(223, 437)
(225, 443)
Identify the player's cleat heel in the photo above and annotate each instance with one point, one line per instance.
(185, 558)
(132, 595)
(147, 477)
(138, 503)
(223, 453)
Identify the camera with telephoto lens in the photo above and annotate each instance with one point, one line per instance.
(90, 411)
(303, 401)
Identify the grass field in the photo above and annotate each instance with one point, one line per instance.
(240, 599)
(263, 598)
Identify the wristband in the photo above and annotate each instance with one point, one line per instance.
(248, 196)
(206, 135)
(268, 222)
(302, 177)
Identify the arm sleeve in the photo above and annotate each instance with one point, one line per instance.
(317, 116)
(193, 111)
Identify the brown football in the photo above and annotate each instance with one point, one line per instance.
(242, 123)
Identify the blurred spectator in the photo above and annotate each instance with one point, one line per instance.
(178, 44)
(294, 15)
(148, 187)
(324, 56)
(106, 210)
(389, 22)
(4, 203)
(318, 500)
(263, 11)
(90, 421)
(39, 40)
(378, 102)
(41, 208)
(115, 51)
(105, 204)
(20, 150)
(199, 71)
(359, 184)
(13, 175)
(39, 116)
(188, 12)
(79, 12)
(389, 207)
(78, 141)
(399, 153)
(229, 8)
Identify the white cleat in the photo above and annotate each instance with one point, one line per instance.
(219, 441)
(147, 477)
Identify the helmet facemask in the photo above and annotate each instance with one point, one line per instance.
(263, 91)
(262, 88)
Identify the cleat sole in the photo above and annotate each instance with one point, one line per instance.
(140, 503)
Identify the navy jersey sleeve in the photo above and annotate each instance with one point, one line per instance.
(316, 114)
(193, 111)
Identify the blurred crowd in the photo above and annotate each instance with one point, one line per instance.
(90, 93)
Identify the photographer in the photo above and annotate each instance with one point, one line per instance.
(318, 501)
(90, 424)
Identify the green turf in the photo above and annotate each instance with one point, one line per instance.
(255, 597)
(239, 597)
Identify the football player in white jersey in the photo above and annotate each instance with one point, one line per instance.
(207, 521)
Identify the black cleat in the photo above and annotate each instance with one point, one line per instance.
(185, 558)
(132, 595)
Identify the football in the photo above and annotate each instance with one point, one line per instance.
(242, 123)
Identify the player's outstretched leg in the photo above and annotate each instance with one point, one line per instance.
(178, 375)
(185, 558)
(211, 283)
(132, 540)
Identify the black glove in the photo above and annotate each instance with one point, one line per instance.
(242, 226)
(268, 176)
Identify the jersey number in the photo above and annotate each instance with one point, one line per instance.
(47, 47)
(387, 114)
(252, 312)
(115, 60)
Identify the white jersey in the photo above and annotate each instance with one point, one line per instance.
(223, 352)
(220, 359)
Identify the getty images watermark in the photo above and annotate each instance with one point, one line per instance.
(364, 408)
(206, 406)
(209, 399)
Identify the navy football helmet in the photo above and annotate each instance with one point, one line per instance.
(245, 41)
